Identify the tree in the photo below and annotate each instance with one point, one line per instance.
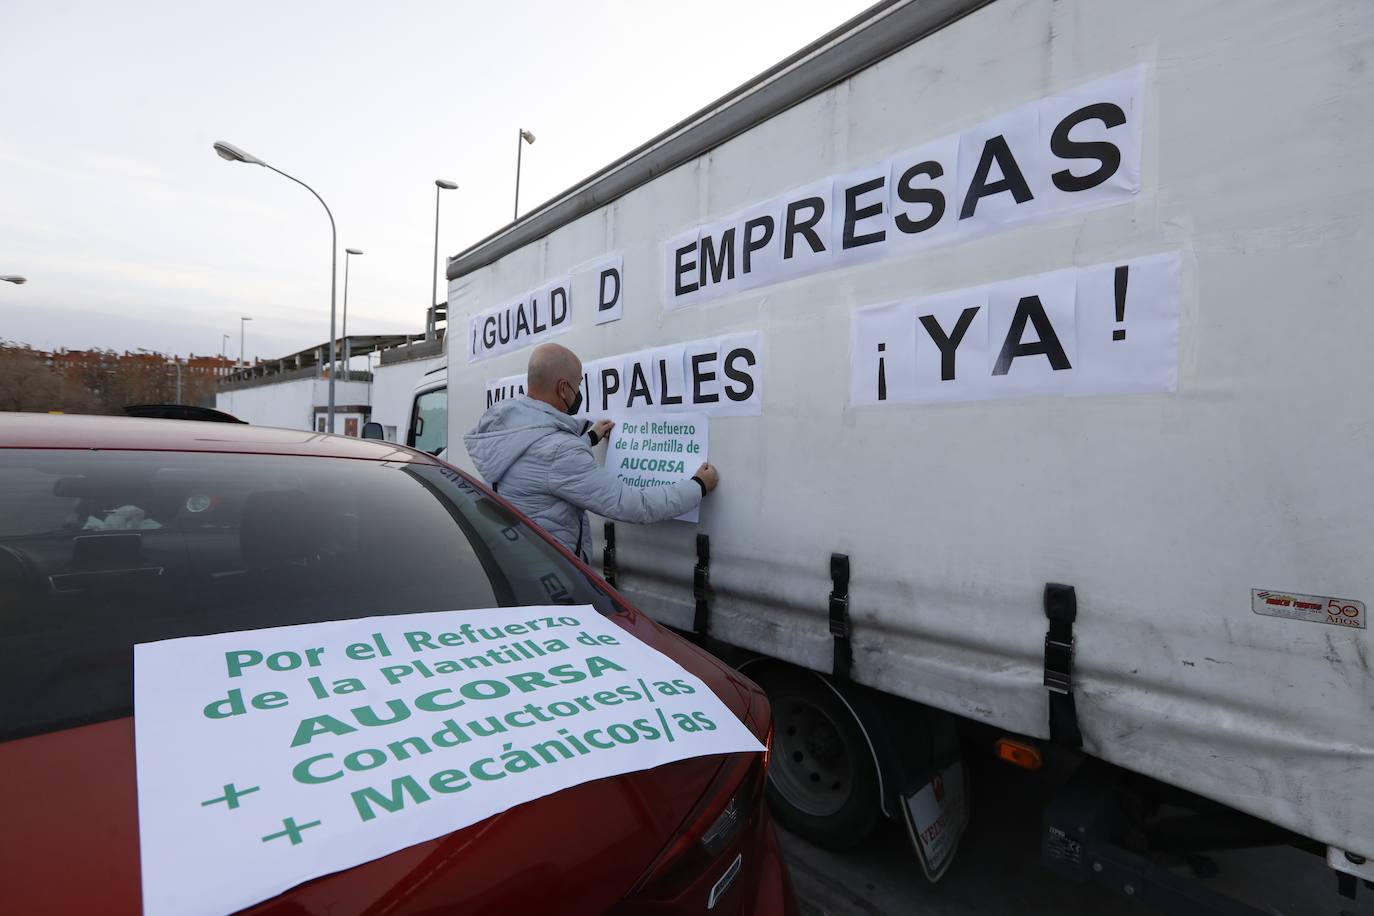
(27, 382)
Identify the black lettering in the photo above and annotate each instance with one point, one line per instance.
(995, 149)
(1103, 151)
(610, 384)
(805, 227)
(853, 214)
(664, 397)
(603, 302)
(534, 315)
(715, 264)
(931, 197)
(521, 321)
(679, 288)
(558, 306)
(746, 379)
(639, 386)
(503, 330)
(752, 242)
(489, 332)
(1029, 308)
(699, 377)
(948, 344)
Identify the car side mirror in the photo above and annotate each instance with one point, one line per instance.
(373, 430)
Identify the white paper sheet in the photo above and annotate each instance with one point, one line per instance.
(952, 356)
(717, 376)
(1076, 135)
(883, 356)
(607, 288)
(266, 758)
(681, 266)
(807, 248)
(924, 221)
(1032, 341)
(1000, 182)
(760, 241)
(648, 450)
(1102, 182)
(866, 226)
(522, 321)
(1137, 361)
(1051, 333)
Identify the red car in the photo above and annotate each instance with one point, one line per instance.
(116, 531)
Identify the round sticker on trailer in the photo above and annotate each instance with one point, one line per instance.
(1341, 612)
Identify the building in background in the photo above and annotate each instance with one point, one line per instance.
(293, 391)
(104, 381)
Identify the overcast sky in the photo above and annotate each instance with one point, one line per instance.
(134, 234)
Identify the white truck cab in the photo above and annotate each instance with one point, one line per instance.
(427, 420)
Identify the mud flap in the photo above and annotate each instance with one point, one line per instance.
(936, 814)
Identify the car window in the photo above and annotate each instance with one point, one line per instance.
(100, 550)
(430, 430)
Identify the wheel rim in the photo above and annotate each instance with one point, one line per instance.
(811, 766)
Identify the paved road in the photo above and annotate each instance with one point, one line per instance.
(998, 870)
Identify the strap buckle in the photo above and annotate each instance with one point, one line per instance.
(1059, 665)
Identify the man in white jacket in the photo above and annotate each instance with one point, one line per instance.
(537, 455)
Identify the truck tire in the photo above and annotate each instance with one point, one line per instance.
(822, 780)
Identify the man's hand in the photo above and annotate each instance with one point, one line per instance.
(708, 476)
(602, 428)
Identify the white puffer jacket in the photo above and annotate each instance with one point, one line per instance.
(541, 460)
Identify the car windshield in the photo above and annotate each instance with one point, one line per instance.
(100, 550)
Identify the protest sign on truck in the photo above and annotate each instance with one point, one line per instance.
(1032, 341)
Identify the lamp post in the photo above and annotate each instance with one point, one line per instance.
(243, 357)
(348, 255)
(15, 279)
(520, 141)
(223, 345)
(231, 153)
(440, 185)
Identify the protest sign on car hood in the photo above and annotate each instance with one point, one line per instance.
(269, 757)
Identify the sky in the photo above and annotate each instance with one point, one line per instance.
(133, 233)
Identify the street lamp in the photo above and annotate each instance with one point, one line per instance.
(15, 279)
(348, 253)
(223, 345)
(520, 141)
(439, 185)
(231, 153)
(243, 358)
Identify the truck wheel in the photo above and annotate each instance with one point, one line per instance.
(822, 782)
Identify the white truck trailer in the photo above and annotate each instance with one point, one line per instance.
(1032, 337)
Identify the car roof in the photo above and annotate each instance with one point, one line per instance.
(36, 430)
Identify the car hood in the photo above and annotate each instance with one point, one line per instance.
(71, 805)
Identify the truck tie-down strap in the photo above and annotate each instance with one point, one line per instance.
(608, 555)
(839, 615)
(701, 586)
(1061, 607)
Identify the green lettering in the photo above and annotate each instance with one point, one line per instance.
(301, 771)
(596, 664)
(365, 798)
(419, 639)
(449, 781)
(319, 725)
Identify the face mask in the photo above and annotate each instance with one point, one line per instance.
(576, 404)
